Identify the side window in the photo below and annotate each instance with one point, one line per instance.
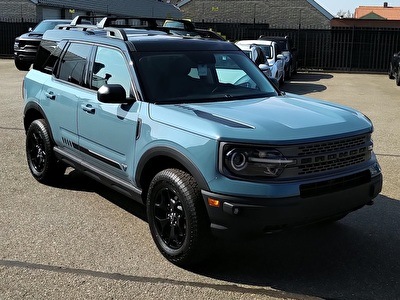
(73, 64)
(110, 67)
(47, 56)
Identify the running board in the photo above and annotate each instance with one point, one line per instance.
(97, 174)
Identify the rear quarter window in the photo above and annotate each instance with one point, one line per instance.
(47, 56)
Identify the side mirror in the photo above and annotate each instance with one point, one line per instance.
(280, 56)
(112, 93)
(263, 67)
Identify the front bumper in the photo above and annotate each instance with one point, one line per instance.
(239, 216)
(26, 56)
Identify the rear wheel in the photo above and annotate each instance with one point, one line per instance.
(39, 152)
(177, 217)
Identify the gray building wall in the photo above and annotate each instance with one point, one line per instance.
(36, 10)
(17, 10)
(276, 13)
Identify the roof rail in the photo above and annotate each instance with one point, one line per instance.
(152, 23)
(118, 33)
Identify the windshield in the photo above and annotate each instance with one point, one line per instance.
(181, 77)
(46, 25)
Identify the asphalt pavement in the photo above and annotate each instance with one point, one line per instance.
(79, 240)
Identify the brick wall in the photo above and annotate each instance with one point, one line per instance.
(17, 10)
(277, 13)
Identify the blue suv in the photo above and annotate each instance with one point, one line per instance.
(193, 129)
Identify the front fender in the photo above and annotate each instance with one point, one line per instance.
(163, 151)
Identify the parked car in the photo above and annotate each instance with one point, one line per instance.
(26, 45)
(287, 49)
(193, 130)
(258, 57)
(275, 60)
(394, 68)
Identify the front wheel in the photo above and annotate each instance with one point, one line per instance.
(22, 65)
(39, 153)
(398, 77)
(177, 217)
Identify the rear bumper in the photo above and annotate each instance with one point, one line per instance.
(238, 216)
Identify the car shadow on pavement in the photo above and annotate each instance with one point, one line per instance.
(304, 83)
(354, 258)
(75, 180)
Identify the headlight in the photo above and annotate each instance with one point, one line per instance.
(251, 162)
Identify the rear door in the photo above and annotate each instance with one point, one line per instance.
(62, 93)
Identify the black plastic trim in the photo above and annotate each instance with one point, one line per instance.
(176, 155)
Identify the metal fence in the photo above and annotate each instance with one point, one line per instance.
(344, 49)
(8, 32)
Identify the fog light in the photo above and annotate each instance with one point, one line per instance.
(375, 169)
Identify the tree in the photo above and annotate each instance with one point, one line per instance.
(343, 14)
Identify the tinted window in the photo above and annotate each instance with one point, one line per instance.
(180, 77)
(267, 50)
(47, 56)
(110, 67)
(74, 63)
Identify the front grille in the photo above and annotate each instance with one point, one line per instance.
(29, 44)
(332, 146)
(332, 155)
(327, 156)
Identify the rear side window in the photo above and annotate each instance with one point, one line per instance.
(73, 65)
(47, 56)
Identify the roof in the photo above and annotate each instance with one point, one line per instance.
(143, 40)
(321, 9)
(148, 8)
(385, 12)
(312, 2)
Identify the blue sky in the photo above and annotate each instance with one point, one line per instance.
(334, 6)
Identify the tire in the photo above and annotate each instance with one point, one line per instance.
(177, 217)
(398, 77)
(22, 65)
(39, 153)
(391, 76)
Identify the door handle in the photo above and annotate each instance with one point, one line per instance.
(88, 108)
(50, 95)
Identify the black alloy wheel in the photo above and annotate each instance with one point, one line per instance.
(39, 152)
(177, 218)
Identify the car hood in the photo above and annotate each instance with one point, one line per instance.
(279, 119)
(31, 36)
